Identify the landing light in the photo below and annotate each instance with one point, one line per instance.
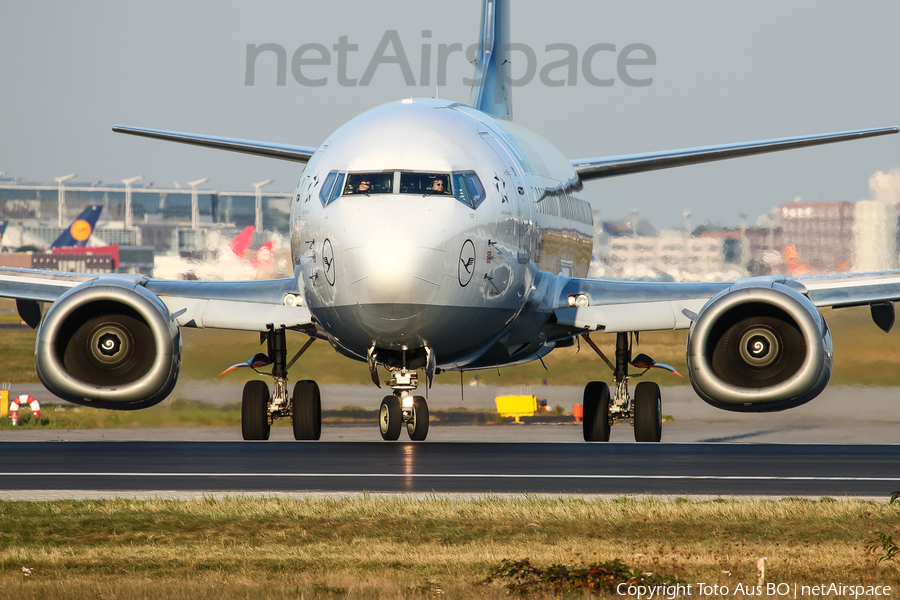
(408, 402)
(580, 300)
(292, 300)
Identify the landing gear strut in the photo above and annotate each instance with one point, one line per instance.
(260, 408)
(644, 411)
(402, 408)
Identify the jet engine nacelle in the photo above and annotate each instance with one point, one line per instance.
(759, 347)
(109, 344)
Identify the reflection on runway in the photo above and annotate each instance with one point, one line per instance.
(706, 469)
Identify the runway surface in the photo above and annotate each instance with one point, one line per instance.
(462, 468)
(704, 452)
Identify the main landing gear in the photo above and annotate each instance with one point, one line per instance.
(402, 408)
(260, 408)
(602, 409)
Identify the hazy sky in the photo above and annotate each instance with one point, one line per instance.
(724, 72)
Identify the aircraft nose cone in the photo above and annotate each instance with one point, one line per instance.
(392, 273)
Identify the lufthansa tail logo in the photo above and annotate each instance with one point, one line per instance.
(80, 230)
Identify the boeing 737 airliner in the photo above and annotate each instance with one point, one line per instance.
(428, 236)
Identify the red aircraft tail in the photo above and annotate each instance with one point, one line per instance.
(262, 262)
(240, 243)
(795, 266)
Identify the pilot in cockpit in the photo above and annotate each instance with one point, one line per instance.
(438, 186)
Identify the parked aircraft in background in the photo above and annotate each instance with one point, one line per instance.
(76, 235)
(796, 267)
(221, 260)
(430, 235)
(262, 262)
(242, 241)
(80, 229)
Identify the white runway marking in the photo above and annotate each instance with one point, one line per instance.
(463, 476)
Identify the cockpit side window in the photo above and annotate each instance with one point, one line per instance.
(459, 189)
(476, 191)
(426, 184)
(338, 186)
(327, 185)
(468, 189)
(369, 183)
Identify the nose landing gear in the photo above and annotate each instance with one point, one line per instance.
(403, 408)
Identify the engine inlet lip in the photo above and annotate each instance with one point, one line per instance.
(722, 394)
(148, 389)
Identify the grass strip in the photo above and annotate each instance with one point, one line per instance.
(390, 547)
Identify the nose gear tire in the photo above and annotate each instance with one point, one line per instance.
(418, 427)
(390, 418)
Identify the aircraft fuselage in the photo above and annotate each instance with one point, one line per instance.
(397, 264)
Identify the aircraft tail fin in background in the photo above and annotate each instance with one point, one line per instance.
(796, 267)
(242, 241)
(80, 229)
(3, 225)
(492, 91)
(262, 262)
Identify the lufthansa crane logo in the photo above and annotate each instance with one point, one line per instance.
(80, 230)
(466, 266)
(328, 261)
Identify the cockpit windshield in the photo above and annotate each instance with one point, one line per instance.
(425, 184)
(369, 183)
(462, 185)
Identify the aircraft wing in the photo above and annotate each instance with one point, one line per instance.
(300, 154)
(236, 305)
(612, 166)
(616, 306)
(622, 306)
